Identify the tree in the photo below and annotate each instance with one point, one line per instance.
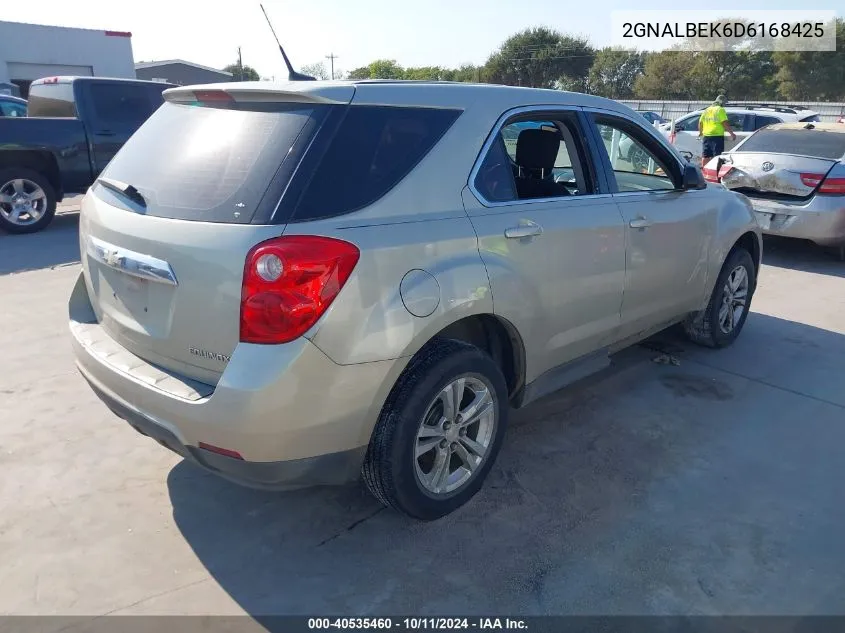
(813, 75)
(666, 76)
(425, 73)
(541, 58)
(360, 73)
(317, 70)
(386, 69)
(245, 73)
(614, 71)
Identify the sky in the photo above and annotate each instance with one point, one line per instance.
(421, 33)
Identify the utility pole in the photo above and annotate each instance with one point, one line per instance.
(240, 66)
(332, 57)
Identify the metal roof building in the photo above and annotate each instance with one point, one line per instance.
(180, 72)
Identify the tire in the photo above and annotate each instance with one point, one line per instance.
(394, 471)
(705, 328)
(46, 205)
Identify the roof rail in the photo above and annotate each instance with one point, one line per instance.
(788, 109)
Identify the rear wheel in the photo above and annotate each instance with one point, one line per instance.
(722, 321)
(439, 431)
(27, 200)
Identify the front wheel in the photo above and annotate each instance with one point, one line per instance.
(722, 321)
(439, 431)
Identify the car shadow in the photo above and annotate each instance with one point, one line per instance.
(801, 255)
(652, 474)
(57, 245)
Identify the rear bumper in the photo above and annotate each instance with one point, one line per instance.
(821, 220)
(297, 418)
(330, 469)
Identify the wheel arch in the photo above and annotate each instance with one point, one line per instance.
(496, 336)
(41, 161)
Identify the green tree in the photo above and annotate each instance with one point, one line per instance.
(317, 70)
(425, 73)
(541, 58)
(614, 71)
(666, 76)
(813, 75)
(245, 73)
(360, 73)
(386, 69)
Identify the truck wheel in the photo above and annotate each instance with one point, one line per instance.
(721, 322)
(27, 200)
(439, 431)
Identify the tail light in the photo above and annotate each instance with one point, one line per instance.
(713, 175)
(289, 282)
(834, 186)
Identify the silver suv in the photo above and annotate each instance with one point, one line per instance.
(292, 284)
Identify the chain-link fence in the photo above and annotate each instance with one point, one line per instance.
(676, 109)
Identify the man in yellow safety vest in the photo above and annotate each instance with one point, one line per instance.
(712, 125)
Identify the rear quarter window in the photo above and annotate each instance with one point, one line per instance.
(374, 148)
(818, 143)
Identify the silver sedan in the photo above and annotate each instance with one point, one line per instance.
(794, 174)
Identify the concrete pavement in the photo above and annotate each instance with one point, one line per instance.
(710, 487)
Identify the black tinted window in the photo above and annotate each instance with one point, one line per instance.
(374, 148)
(494, 180)
(690, 124)
(51, 100)
(763, 121)
(208, 164)
(801, 142)
(120, 104)
(812, 118)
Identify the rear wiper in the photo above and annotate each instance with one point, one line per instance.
(127, 190)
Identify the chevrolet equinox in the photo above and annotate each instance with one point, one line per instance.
(294, 284)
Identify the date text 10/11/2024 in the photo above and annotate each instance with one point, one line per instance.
(415, 624)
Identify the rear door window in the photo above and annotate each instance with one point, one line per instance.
(739, 122)
(814, 118)
(762, 121)
(690, 124)
(818, 143)
(209, 164)
(374, 148)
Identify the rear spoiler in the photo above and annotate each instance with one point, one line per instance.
(262, 92)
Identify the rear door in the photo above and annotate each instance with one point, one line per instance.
(115, 110)
(552, 241)
(166, 229)
(668, 231)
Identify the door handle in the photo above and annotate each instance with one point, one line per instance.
(639, 223)
(529, 229)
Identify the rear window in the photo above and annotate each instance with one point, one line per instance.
(372, 151)
(818, 143)
(120, 104)
(51, 100)
(209, 164)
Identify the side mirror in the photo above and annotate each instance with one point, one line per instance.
(693, 178)
(678, 128)
(687, 155)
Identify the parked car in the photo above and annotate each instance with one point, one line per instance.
(794, 175)
(12, 106)
(75, 125)
(744, 120)
(293, 284)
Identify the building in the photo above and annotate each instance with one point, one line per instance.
(180, 72)
(32, 51)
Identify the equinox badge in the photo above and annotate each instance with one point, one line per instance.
(203, 353)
